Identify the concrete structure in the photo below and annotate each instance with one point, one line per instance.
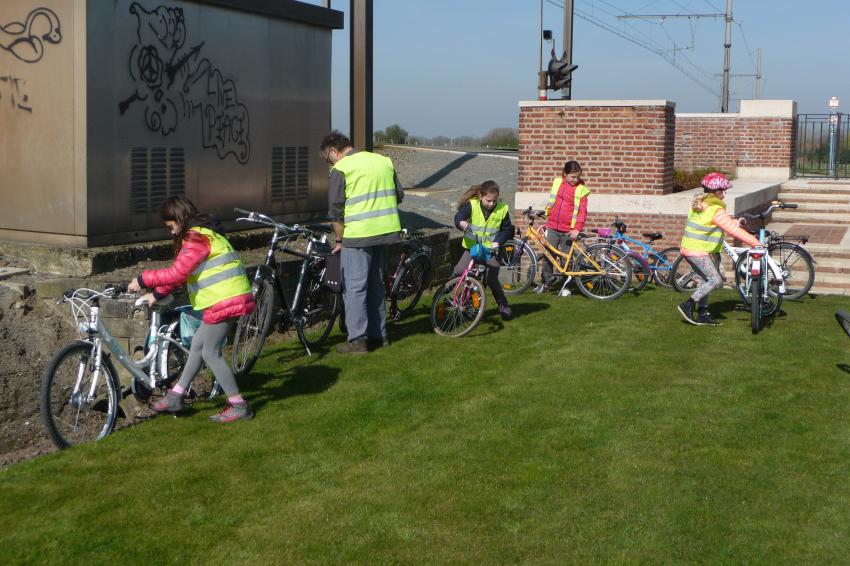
(110, 106)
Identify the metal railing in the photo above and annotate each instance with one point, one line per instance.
(823, 145)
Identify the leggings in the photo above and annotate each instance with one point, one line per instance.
(707, 266)
(206, 346)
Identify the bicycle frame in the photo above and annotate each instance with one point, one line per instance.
(99, 334)
(550, 253)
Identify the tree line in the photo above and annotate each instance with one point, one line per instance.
(499, 138)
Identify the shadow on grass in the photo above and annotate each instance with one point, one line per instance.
(309, 379)
(843, 367)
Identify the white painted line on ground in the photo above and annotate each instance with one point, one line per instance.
(454, 151)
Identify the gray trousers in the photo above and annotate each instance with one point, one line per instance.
(708, 267)
(206, 346)
(363, 291)
(559, 240)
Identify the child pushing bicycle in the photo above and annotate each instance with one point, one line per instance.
(481, 212)
(566, 212)
(707, 225)
(213, 273)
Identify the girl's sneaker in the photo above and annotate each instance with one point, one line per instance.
(171, 403)
(233, 413)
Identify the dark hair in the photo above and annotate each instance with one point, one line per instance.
(571, 167)
(183, 211)
(335, 140)
(478, 191)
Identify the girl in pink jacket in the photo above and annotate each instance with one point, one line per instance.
(206, 262)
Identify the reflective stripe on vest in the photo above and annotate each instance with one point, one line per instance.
(485, 228)
(700, 234)
(580, 192)
(371, 208)
(219, 277)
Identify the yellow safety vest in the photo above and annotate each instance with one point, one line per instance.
(580, 193)
(485, 229)
(220, 276)
(700, 234)
(371, 207)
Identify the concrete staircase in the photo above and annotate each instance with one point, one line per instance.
(824, 205)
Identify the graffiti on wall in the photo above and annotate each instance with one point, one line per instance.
(26, 40)
(14, 89)
(175, 82)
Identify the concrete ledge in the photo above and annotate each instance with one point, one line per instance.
(768, 108)
(600, 103)
(744, 195)
(763, 173)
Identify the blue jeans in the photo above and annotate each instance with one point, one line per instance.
(363, 291)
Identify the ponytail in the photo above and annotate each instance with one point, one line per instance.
(478, 191)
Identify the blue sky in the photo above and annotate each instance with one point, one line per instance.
(459, 67)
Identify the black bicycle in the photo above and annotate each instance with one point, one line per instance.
(313, 307)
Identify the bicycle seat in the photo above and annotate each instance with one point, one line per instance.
(652, 236)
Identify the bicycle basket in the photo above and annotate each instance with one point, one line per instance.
(480, 252)
(190, 322)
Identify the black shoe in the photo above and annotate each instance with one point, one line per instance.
(356, 346)
(375, 343)
(505, 312)
(687, 310)
(705, 319)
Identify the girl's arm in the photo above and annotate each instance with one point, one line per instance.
(462, 215)
(731, 227)
(506, 230)
(196, 248)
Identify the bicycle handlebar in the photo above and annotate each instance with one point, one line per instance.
(761, 215)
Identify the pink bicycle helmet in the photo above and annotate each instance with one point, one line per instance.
(715, 182)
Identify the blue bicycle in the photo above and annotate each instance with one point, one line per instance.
(647, 263)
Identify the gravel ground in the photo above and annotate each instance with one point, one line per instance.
(434, 181)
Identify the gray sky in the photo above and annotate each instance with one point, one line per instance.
(459, 67)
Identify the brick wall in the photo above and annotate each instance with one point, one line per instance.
(762, 136)
(623, 146)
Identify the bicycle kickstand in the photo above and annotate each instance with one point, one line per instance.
(564, 292)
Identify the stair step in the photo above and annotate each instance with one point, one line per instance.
(831, 265)
(816, 188)
(799, 197)
(805, 217)
(827, 251)
(827, 290)
(826, 207)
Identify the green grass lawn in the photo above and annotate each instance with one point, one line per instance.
(579, 431)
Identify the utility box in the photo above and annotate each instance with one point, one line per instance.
(108, 107)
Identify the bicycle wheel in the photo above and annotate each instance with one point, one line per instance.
(72, 418)
(661, 264)
(252, 329)
(518, 266)
(843, 319)
(317, 316)
(641, 272)
(615, 275)
(755, 304)
(408, 286)
(798, 269)
(743, 280)
(458, 307)
(683, 277)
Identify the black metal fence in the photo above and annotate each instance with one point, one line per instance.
(813, 141)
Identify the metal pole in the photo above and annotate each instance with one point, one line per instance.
(833, 122)
(758, 73)
(540, 37)
(566, 93)
(361, 74)
(727, 45)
